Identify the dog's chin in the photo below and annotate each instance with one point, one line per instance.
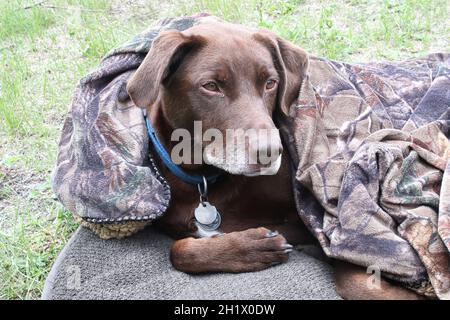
(248, 170)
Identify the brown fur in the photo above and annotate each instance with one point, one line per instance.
(240, 60)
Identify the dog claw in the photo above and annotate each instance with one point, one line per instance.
(272, 234)
(288, 251)
(286, 246)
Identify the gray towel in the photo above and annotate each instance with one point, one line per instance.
(138, 267)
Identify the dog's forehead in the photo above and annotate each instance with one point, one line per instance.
(227, 36)
(230, 43)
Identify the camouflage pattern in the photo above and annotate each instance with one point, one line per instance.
(370, 143)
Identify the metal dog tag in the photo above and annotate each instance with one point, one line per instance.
(207, 215)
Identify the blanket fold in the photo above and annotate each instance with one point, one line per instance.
(370, 144)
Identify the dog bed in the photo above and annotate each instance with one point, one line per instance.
(369, 142)
(138, 267)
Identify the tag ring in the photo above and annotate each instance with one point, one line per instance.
(203, 190)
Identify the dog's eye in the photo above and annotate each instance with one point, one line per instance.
(270, 84)
(211, 86)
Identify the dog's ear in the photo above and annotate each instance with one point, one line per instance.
(292, 65)
(163, 59)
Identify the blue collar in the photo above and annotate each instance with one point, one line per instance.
(175, 169)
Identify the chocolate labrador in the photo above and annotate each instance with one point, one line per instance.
(231, 77)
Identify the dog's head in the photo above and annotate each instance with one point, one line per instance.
(232, 79)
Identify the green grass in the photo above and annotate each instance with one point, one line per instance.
(46, 48)
(16, 22)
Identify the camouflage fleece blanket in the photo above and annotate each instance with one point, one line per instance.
(370, 143)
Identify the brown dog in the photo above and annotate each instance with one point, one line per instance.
(231, 77)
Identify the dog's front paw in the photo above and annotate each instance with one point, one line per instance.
(256, 249)
(244, 251)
